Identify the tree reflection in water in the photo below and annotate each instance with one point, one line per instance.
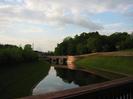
(63, 78)
(80, 78)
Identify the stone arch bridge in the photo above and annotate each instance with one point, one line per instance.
(61, 60)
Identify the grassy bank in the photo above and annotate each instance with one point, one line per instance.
(118, 64)
(18, 81)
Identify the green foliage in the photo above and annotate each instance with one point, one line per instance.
(81, 49)
(10, 54)
(94, 42)
(29, 54)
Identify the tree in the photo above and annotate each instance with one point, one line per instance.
(67, 39)
(117, 38)
(29, 54)
(94, 42)
(28, 47)
(82, 49)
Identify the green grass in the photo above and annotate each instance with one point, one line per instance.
(128, 50)
(18, 81)
(120, 64)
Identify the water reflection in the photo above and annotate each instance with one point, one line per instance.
(61, 79)
(52, 83)
(71, 65)
(79, 78)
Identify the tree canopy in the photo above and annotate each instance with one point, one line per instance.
(11, 54)
(94, 42)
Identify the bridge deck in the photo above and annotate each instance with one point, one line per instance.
(57, 56)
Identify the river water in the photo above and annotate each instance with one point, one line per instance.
(63, 78)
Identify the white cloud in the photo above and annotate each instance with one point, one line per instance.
(39, 44)
(13, 40)
(116, 27)
(58, 13)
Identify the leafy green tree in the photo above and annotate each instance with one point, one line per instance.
(82, 49)
(29, 54)
(117, 38)
(94, 42)
(10, 54)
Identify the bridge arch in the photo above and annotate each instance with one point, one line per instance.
(60, 60)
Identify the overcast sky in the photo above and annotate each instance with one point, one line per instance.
(46, 22)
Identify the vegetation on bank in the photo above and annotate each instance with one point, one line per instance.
(20, 71)
(10, 54)
(94, 42)
(119, 64)
(19, 80)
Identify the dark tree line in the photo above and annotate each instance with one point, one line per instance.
(94, 42)
(11, 54)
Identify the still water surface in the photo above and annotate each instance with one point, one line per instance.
(62, 78)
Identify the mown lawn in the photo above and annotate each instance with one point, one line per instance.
(18, 81)
(120, 64)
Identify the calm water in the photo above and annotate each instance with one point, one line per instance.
(61, 78)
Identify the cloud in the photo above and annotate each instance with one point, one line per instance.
(74, 6)
(129, 14)
(47, 16)
(80, 21)
(39, 44)
(116, 27)
(13, 40)
(21, 19)
(60, 12)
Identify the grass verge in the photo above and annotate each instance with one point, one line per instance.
(107, 65)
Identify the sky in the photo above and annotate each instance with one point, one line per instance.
(44, 23)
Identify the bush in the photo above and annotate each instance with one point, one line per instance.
(10, 54)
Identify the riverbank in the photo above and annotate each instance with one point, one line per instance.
(18, 81)
(109, 64)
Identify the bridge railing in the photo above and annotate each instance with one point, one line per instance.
(116, 89)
